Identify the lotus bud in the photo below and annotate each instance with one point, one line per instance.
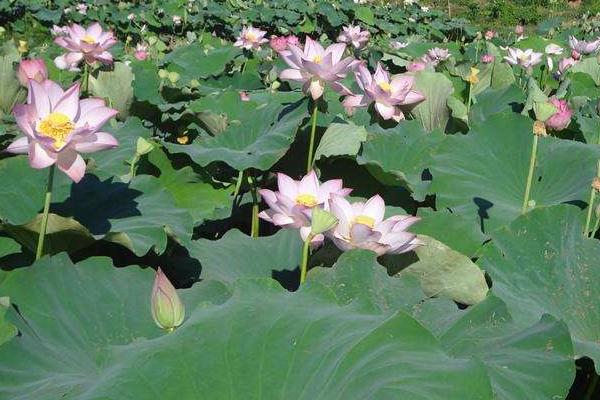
(32, 69)
(562, 117)
(168, 311)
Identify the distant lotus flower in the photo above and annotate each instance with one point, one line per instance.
(487, 58)
(489, 35)
(397, 45)
(59, 30)
(251, 38)
(141, 51)
(291, 206)
(575, 54)
(176, 20)
(361, 226)
(388, 93)
(519, 29)
(526, 59)
(354, 35)
(81, 8)
(435, 55)
(58, 125)
(565, 64)
(553, 49)
(89, 44)
(583, 47)
(278, 43)
(562, 117)
(416, 66)
(316, 67)
(167, 309)
(32, 69)
(68, 61)
(244, 96)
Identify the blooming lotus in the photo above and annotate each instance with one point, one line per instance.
(397, 45)
(278, 43)
(562, 117)
(490, 34)
(315, 66)
(435, 56)
(487, 58)
(388, 93)
(141, 51)
(58, 126)
(525, 58)
(565, 64)
(361, 226)
(354, 35)
(291, 206)
(583, 47)
(251, 38)
(552, 50)
(32, 69)
(89, 45)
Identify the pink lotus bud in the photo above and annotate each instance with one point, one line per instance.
(575, 55)
(565, 64)
(244, 96)
(32, 69)
(278, 43)
(168, 311)
(141, 52)
(292, 39)
(489, 35)
(519, 29)
(562, 117)
(416, 66)
(487, 58)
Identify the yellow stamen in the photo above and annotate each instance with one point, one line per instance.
(251, 37)
(183, 139)
(386, 87)
(88, 39)
(365, 220)
(56, 126)
(317, 59)
(307, 200)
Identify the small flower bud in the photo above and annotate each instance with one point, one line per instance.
(168, 311)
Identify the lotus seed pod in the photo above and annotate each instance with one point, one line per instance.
(168, 311)
(539, 128)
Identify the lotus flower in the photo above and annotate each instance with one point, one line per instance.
(565, 64)
(58, 125)
(315, 66)
(435, 55)
(562, 117)
(59, 30)
(32, 69)
(141, 51)
(167, 309)
(397, 45)
(292, 39)
(389, 94)
(278, 43)
(361, 226)
(575, 55)
(416, 66)
(487, 58)
(251, 38)
(525, 58)
(489, 35)
(583, 47)
(552, 50)
(354, 35)
(89, 44)
(291, 206)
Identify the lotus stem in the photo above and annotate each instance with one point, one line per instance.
(469, 99)
(40, 244)
(530, 174)
(304, 265)
(254, 229)
(311, 145)
(238, 185)
(85, 79)
(588, 219)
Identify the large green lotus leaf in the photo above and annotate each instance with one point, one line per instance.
(195, 62)
(146, 84)
(7, 330)
(237, 255)
(522, 362)
(259, 142)
(341, 139)
(494, 101)
(9, 84)
(117, 162)
(115, 86)
(139, 215)
(484, 172)
(402, 154)
(8, 246)
(540, 264)
(204, 201)
(433, 113)
(588, 66)
(87, 333)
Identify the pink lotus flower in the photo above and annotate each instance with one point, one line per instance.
(292, 39)
(487, 58)
(32, 69)
(435, 56)
(489, 35)
(361, 226)
(244, 96)
(565, 64)
(525, 58)
(251, 38)
(141, 52)
(354, 35)
(278, 43)
(416, 66)
(89, 44)
(575, 55)
(315, 66)
(58, 125)
(583, 47)
(562, 117)
(388, 94)
(291, 206)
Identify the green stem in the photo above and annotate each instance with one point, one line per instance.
(590, 210)
(470, 98)
(40, 244)
(238, 185)
(254, 229)
(311, 145)
(304, 265)
(596, 226)
(530, 174)
(85, 79)
(592, 387)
